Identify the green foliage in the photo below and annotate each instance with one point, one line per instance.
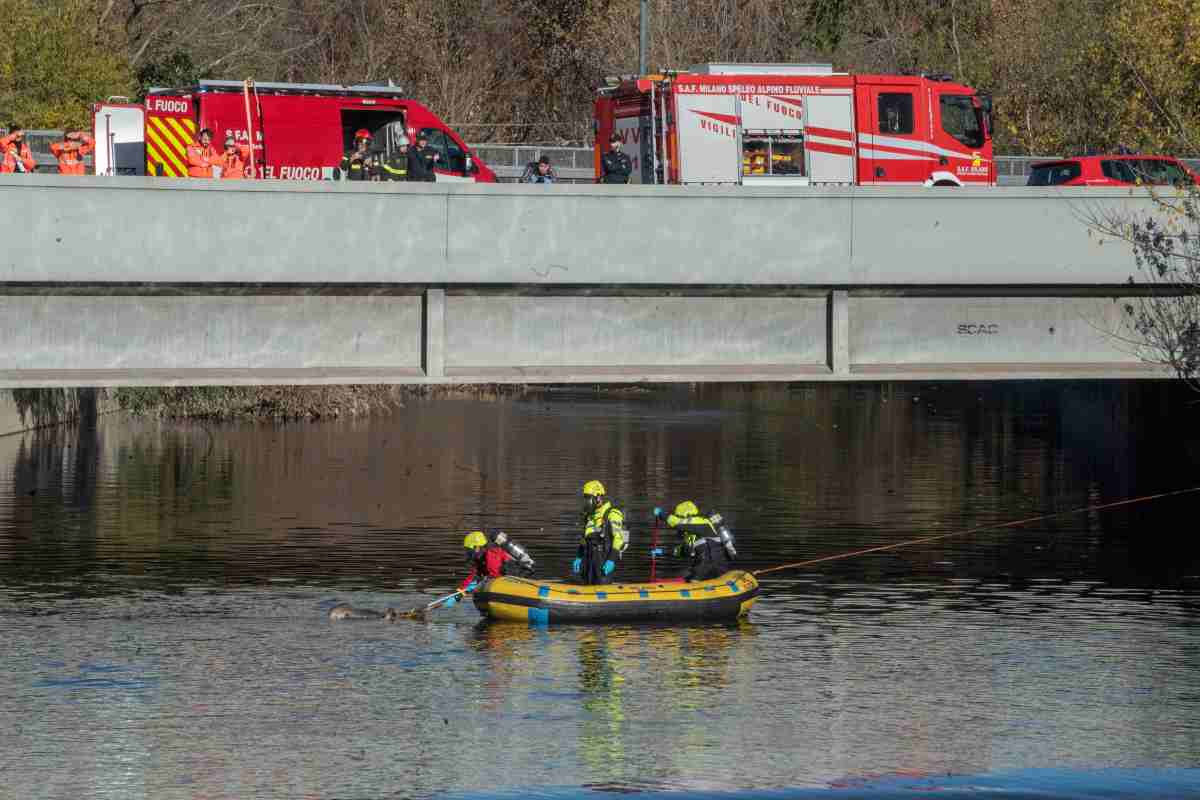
(824, 24)
(54, 63)
(175, 69)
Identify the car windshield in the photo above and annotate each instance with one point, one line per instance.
(1053, 174)
(961, 119)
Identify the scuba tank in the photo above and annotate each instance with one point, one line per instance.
(723, 534)
(515, 550)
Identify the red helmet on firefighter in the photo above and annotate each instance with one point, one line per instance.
(362, 133)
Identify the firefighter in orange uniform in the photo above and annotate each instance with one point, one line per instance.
(234, 161)
(202, 156)
(70, 152)
(15, 155)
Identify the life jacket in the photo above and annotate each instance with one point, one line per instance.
(490, 565)
(356, 166)
(691, 531)
(233, 166)
(608, 522)
(200, 160)
(16, 157)
(70, 155)
(395, 168)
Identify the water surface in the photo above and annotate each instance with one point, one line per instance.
(163, 591)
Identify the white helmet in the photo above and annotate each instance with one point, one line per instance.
(399, 134)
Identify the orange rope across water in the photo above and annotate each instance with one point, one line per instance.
(994, 527)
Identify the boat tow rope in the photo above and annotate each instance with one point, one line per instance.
(977, 529)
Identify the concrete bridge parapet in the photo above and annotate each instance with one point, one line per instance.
(155, 281)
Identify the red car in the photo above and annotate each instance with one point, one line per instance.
(1120, 170)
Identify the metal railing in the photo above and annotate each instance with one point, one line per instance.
(571, 164)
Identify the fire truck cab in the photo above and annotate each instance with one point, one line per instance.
(297, 131)
(797, 124)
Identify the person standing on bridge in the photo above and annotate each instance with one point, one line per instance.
(15, 155)
(424, 159)
(202, 156)
(234, 161)
(704, 541)
(355, 164)
(604, 537)
(539, 171)
(70, 152)
(396, 166)
(615, 165)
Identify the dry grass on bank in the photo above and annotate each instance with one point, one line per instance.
(288, 402)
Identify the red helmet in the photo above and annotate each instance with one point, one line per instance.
(362, 133)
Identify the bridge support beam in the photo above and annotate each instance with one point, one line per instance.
(839, 332)
(433, 333)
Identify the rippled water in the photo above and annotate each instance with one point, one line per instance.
(163, 592)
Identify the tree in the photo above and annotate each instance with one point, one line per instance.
(54, 62)
(173, 69)
(1153, 74)
(1163, 311)
(1152, 88)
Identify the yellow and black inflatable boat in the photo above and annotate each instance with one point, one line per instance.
(555, 602)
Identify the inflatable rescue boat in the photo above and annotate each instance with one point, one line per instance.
(556, 602)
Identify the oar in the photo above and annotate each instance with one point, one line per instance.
(420, 612)
(654, 543)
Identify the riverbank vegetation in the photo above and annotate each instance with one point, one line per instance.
(1067, 75)
(39, 408)
(286, 402)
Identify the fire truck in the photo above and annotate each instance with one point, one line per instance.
(296, 131)
(797, 124)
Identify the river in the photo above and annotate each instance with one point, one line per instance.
(164, 590)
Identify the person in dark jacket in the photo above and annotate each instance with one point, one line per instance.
(704, 542)
(356, 163)
(539, 171)
(396, 166)
(422, 159)
(615, 166)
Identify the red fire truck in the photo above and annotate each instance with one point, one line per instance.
(298, 131)
(797, 124)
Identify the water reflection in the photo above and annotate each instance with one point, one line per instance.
(800, 471)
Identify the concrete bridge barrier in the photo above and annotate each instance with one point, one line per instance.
(156, 281)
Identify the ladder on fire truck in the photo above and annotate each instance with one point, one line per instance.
(660, 124)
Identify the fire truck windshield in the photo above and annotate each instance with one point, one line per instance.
(962, 119)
